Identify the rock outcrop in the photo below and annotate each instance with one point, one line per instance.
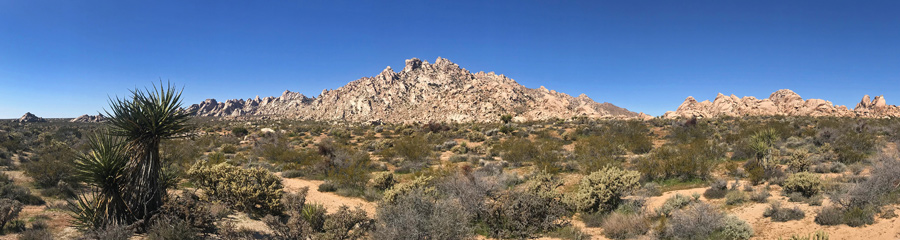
(30, 118)
(421, 92)
(782, 102)
(90, 119)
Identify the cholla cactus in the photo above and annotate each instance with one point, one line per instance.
(602, 190)
(420, 183)
(255, 191)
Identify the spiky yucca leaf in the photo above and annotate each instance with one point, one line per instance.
(103, 168)
(145, 120)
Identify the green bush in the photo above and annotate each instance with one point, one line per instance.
(595, 153)
(239, 131)
(829, 216)
(859, 216)
(805, 183)
(684, 161)
(52, 167)
(255, 191)
(602, 190)
(166, 228)
(327, 187)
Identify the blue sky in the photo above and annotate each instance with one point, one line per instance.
(64, 58)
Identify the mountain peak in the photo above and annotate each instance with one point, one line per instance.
(422, 92)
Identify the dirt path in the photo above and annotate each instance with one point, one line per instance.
(331, 201)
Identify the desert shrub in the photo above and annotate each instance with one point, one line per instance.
(239, 131)
(292, 174)
(684, 161)
(327, 186)
(695, 221)
(625, 226)
(475, 136)
(346, 223)
(877, 190)
(166, 228)
(36, 234)
(255, 191)
(735, 197)
(650, 189)
(189, 210)
(413, 148)
(229, 149)
(53, 166)
(717, 189)
(305, 221)
(18, 225)
(383, 180)
(276, 148)
(602, 190)
(734, 228)
(10, 190)
(760, 195)
(516, 214)
(594, 153)
(853, 146)
(818, 235)
(805, 183)
(829, 216)
(9, 210)
(110, 232)
(348, 168)
(781, 214)
(593, 219)
(799, 162)
(421, 183)
(471, 189)
(420, 215)
(543, 153)
(859, 216)
(674, 203)
(568, 233)
(815, 200)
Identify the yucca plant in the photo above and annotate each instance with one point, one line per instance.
(103, 168)
(145, 120)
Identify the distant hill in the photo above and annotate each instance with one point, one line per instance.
(421, 92)
(782, 102)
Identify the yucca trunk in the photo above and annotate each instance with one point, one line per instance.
(144, 172)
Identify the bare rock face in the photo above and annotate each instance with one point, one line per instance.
(782, 102)
(29, 118)
(421, 92)
(89, 119)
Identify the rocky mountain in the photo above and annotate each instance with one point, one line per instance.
(89, 119)
(421, 92)
(782, 102)
(29, 118)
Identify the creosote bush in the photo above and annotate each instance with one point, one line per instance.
(603, 190)
(255, 191)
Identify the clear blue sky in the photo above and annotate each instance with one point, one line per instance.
(63, 58)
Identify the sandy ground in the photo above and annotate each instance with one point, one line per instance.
(331, 201)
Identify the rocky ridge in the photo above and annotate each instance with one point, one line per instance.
(421, 92)
(782, 102)
(29, 118)
(89, 119)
